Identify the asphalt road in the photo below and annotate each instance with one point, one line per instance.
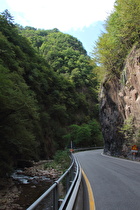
(115, 182)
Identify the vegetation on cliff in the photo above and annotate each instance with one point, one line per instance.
(117, 53)
(47, 84)
(122, 30)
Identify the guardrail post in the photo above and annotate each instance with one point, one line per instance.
(72, 172)
(70, 178)
(67, 182)
(55, 198)
(72, 175)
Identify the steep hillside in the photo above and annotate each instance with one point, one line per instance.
(47, 89)
(118, 52)
(120, 106)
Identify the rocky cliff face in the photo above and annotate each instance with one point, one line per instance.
(120, 100)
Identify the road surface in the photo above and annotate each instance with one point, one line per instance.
(115, 182)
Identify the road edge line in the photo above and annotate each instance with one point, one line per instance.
(131, 161)
(90, 193)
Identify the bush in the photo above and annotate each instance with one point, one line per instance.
(60, 162)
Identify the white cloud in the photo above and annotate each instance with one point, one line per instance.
(61, 14)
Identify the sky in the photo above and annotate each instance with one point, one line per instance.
(83, 19)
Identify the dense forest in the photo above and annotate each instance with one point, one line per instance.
(48, 94)
(49, 86)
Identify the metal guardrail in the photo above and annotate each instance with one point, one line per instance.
(71, 180)
(87, 148)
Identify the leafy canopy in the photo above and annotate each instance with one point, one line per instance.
(47, 84)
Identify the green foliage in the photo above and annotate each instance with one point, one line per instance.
(44, 88)
(131, 132)
(85, 135)
(138, 137)
(8, 17)
(61, 155)
(61, 161)
(128, 130)
(19, 113)
(18, 110)
(122, 31)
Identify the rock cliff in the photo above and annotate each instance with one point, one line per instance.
(120, 101)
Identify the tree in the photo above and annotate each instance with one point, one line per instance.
(45, 88)
(85, 135)
(122, 30)
(8, 17)
(19, 116)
